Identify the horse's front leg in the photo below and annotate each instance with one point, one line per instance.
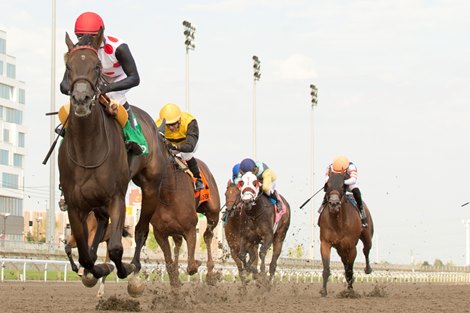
(80, 235)
(262, 254)
(117, 210)
(212, 220)
(98, 233)
(68, 251)
(325, 258)
(348, 260)
(242, 257)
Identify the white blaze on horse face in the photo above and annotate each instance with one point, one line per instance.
(250, 187)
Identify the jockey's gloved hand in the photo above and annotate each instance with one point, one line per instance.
(103, 86)
(172, 146)
(325, 188)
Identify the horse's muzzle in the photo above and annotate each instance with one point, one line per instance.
(248, 194)
(82, 98)
(334, 203)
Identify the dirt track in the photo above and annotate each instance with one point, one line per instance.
(39, 297)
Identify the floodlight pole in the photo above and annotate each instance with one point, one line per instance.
(313, 104)
(256, 77)
(189, 31)
(50, 230)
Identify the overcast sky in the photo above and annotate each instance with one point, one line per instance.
(393, 87)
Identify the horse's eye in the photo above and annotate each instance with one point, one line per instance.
(256, 183)
(240, 184)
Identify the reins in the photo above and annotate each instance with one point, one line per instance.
(108, 148)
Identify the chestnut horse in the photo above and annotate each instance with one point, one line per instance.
(341, 228)
(95, 167)
(176, 215)
(233, 203)
(258, 226)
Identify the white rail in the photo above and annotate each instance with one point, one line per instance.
(230, 273)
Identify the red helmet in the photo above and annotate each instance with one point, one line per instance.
(88, 23)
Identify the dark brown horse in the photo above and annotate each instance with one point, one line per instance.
(70, 243)
(258, 227)
(95, 167)
(233, 203)
(175, 215)
(340, 227)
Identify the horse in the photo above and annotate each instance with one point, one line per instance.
(176, 215)
(94, 165)
(341, 228)
(70, 243)
(232, 225)
(260, 225)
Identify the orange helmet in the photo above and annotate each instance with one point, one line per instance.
(171, 113)
(88, 23)
(340, 164)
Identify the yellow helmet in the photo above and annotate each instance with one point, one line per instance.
(340, 164)
(170, 112)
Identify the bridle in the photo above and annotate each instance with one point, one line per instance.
(95, 98)
(99, 77)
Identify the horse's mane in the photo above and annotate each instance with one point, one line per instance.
(336, 181)
(84, 40)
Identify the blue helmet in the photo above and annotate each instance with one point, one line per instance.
(247, 165)
(236, 170)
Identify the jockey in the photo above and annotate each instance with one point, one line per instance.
(119, 74)
(236, 176)
(266, 176)
(182, 133)
(342, 164)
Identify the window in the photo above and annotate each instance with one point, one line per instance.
(11, 205)
(17, 160)
(3, 46)
(1, 68)
(5, 91)
(21, 96)
(3, 157)
(9, 181)
(13, 116)
(21, 138)
(11, 70)
(6, 135)
(1, 113)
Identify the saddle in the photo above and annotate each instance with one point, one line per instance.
(349, 198)
(201, 195)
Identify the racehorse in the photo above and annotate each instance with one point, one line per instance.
(233, 203)
(341, 228)
(260, 225)
(95, 167)
(175, 215)
(70, 243)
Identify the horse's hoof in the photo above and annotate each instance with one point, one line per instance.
(128, 269)
(193, 269)
(88, 280)
(135, 286)
(368, 270)
(323, 293)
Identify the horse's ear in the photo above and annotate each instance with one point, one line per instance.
(68, 41)
(98, 39)
(229, 182)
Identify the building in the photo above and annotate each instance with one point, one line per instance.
(12, 146)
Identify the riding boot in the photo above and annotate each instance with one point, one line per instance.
(192, 165)
(133, 133)
(275, 196)
(357, 196)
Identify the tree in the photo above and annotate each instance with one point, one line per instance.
(438, 263)
(296, 252)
